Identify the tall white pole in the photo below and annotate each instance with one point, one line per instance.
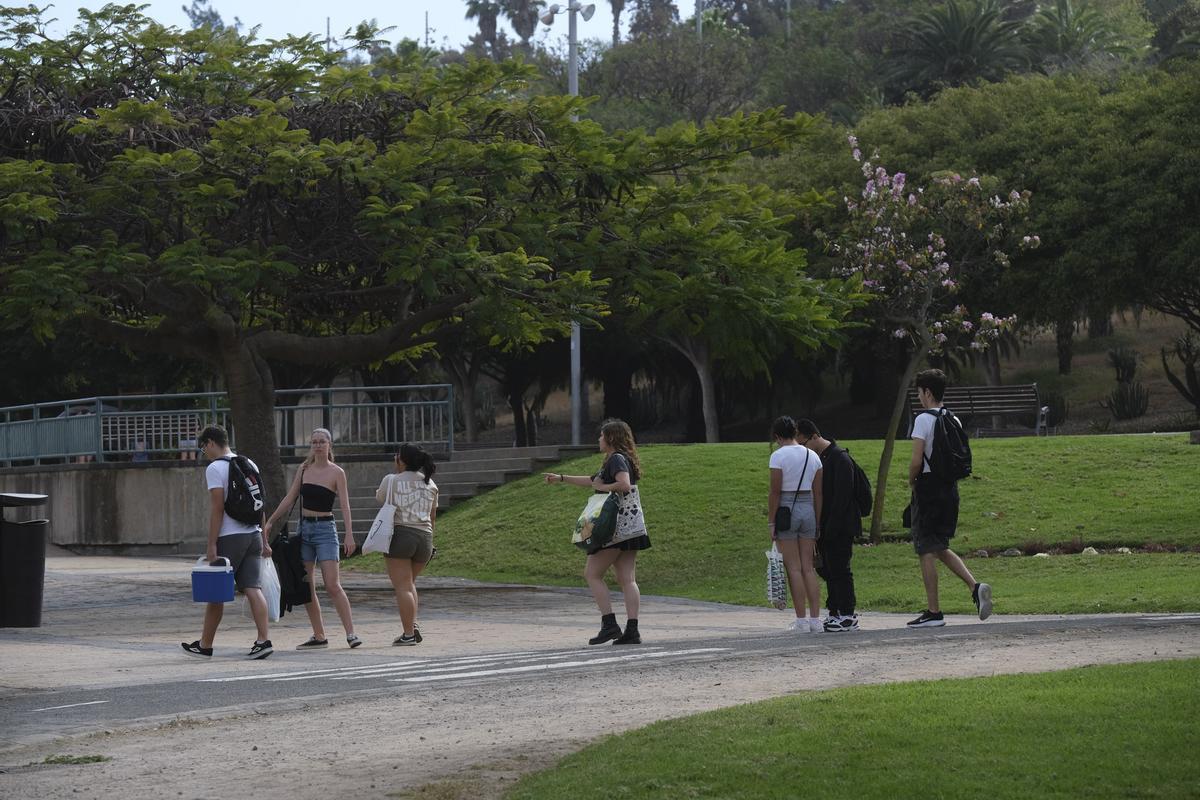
(576, 333)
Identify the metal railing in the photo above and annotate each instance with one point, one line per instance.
(362, 419)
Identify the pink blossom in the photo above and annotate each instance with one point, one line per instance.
(899, 333)
(853, 140)
(912, 199)
(940, 338)
(973, 182)
(857, 154)
(967, 326)
(948, 284)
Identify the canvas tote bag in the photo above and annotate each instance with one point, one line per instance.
(379, 538)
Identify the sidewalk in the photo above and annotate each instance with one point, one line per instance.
(111, 620)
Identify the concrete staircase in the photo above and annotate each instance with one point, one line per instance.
(466, 474)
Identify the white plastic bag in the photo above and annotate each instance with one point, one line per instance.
(777, 590)
(271, 592)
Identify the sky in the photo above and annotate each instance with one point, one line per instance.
(447, 22)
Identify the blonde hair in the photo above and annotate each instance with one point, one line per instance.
(619, 436)
(308, 462)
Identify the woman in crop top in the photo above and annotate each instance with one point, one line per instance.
(795, 473)
(317, 484)
(414, 494)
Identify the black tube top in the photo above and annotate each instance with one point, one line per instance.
(316, 497)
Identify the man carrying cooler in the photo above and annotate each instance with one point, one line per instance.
(242, 543)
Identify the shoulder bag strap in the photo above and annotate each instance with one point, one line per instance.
(800, 482)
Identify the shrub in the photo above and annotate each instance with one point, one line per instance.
(1124, 360)
(1127, 401)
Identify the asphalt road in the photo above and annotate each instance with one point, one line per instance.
(296, 678)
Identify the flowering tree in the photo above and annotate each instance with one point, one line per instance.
(918, 253)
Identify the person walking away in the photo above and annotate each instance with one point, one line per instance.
(619, 472)
(414, 494)
(934, 505)
(319, 482)
(243, 543)
(796, 485)
(840, 526)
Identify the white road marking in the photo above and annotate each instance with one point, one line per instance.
(1171, 618)
(558, 665)
(376, 673)
(332, 672)
(72, 705)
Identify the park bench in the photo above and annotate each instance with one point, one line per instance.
(980, 408)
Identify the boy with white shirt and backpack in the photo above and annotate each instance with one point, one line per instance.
(940, 458)
(240, 539)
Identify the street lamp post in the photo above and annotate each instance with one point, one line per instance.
(573, 8)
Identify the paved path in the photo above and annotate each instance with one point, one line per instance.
(502, 675)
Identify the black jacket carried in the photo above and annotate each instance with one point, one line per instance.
(839, 510)
(294, 590)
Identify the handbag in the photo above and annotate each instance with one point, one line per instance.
(631, 523)
(597, 522)
(783, 514)
(379, 537)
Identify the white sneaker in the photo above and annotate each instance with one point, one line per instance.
(816, 625)
(799, 625)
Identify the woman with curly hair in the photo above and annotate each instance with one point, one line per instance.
(619, 472)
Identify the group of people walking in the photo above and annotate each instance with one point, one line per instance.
(318, 484)
(814, 522)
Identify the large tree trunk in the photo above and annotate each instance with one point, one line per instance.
(696, 353)
(516, 404)
(1099, 322)
(618, 391)
(464, 376)
(251, 389)
(889, 443)
(1064, 333)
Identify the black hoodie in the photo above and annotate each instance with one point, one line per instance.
(839, 511)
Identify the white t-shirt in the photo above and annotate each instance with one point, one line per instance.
(791, 459)
(217, 477)
(413, 498)
(923, 429)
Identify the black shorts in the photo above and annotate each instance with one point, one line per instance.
(934, 514)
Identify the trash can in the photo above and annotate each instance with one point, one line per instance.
(22, 564)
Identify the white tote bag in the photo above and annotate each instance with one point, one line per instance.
(379, 538)
(777, 588)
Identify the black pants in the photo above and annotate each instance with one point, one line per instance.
(836, 550)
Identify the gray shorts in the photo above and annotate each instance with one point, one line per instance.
(934, 509)
(412, 544)
(244, 551)
(804, 517)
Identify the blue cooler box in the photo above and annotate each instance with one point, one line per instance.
(212, 584)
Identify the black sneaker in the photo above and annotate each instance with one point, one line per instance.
(982, 595)
(404, 640)
(313, 643)
(417, 634)
(928, 619)
(194, 649)
(260, 650)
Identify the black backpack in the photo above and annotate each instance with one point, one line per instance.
(244, 499)
(863, 499)
(950, 458)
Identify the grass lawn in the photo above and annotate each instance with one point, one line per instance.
(706, 509)
(1108, 731)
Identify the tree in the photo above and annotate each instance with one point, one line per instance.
(652, 19)
(656, 82)
(956, 44)
(1068, 34)
(618, 7)
(202, 15)
(913, 249)
(487, 12)
(706, 266)
(256, 208)
(523, 14)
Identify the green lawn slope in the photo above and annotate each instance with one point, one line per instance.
(706, 509)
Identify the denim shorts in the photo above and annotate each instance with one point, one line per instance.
(319, 541)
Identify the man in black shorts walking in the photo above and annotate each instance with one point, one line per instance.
(243, 544)
(934, 508)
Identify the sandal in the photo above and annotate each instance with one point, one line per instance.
(353, 640)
